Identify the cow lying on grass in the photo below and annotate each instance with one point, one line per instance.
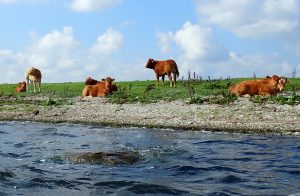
(267, 86)
(21, 87)
(91, 81)
(162, 68)
(99, 89)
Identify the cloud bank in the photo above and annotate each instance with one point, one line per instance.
(252, 18)
(61, 58)
(202, 54)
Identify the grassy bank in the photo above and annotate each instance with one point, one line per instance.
(193, 91)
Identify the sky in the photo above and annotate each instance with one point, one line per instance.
(70, 40)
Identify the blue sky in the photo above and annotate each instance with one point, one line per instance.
(69, 40)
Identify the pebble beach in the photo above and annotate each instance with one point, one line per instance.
(241, 116)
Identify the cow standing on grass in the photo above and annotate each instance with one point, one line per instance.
(162, 68)
(98, 89)
(267, 86)
(33, 77)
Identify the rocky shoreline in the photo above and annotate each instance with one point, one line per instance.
(241, 116)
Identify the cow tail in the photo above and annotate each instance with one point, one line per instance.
(176, 69)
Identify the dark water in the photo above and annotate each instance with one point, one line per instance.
(172, 162)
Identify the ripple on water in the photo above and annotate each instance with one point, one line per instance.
(34, 169)
(20, 145)
(54, 132)
(231, 179)
(49, 184)
(6, 175)
(139, 187)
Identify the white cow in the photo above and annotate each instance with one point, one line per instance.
(33, 77)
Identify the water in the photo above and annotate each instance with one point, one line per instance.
(171, 162)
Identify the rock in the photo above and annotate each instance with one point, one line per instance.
(107, 158)
(36, 112)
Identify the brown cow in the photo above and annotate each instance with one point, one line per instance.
(91, 81)
(33, 76)
(100, 89)
(266, 86)
(21, 87)
(162, 68)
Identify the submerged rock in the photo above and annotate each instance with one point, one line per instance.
(109, 158)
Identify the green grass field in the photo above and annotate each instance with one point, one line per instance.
(146, 91)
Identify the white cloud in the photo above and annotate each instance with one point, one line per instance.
(12, 70)
(252, 18)
(107, 43)
(55, 53)
(197, 45)
(58, 54)
(207, 57)
(92, 5)
(55, 49)
(99, 55)
(260, 64)
(165, 40)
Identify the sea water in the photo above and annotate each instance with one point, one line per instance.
(170, 162)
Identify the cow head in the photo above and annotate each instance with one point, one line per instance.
(21, 87)
(108, 82)
(277, 82)
(150, 64)
(281, 83)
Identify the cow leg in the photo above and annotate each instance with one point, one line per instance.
(174, 75)
(34, 86)
(170, 79)
(163, 80)
(31, 85)
(39, 83)
(157, 79)
(27, 85)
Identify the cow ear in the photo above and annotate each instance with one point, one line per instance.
(268, 77)
(113, 79)
(103, 79)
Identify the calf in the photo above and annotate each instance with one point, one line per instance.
(100, 89)
(266, 86)
(21, 87)
(162, 68)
